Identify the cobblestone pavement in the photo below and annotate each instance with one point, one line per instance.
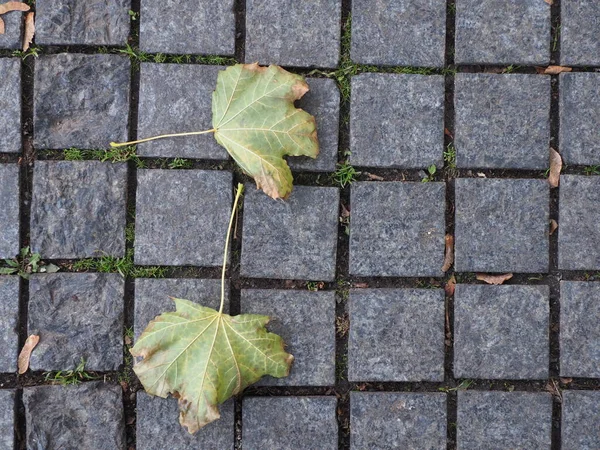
(385, 356)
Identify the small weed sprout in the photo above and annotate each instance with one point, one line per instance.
(345, 174)
(71, 377)
(591, 170)
(118, 154)
(26, 263)
(431, 170)
(450, 156)
(124, 266)
(180, 163)
(314, 286)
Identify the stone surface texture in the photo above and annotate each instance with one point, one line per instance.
(76, 315)
(289, 423)
(580, 420)
(13, 35)
(293, 33)
(502, 32)
(172, 26)
(10, 104)
(182, 217)
(80, 100)
(158, 429)
(397, 229)
(88, 416)
(397, 120)
(399, 33)
(306, 322)
(501, 225)
(299, 234)
(178, 98)
(81, 22)
(78, 209)
(7, 419)
(579, 117)
(579, 216)
(502, 121)
(390, 420)
(396, 335)
(511, 420)
(501, 332)
(580, 329)
(9, 317)
(579, 31)
(9, 210)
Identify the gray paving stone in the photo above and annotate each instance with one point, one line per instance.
(501, 332)
(89, 415)
(502, 121)
(182, 217)
(77, 315)
(177, 98)
(390, 420)
(396, 335)
(13, 22)
(80, 22)
(7, 419)
(80, 100)
(502, 32)
(152, 297)
(399, 33)
(579, 216)
(293, 33)
(579, 30)
(290, 423)
(580, 329)
(493, 420)
(501, 225)
(579, 117)
(9, 316)
(580, 420)
(188, 27)
(299, 233)
(323, 102)
(9, 210)
(306, 322)
(397, 229)
(78, 209)
(10, 105)
(157, 427)
(397, 120)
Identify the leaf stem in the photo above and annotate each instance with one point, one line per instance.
(162, 136)
(238, 194)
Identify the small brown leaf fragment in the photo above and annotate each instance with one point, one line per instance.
(449, 257)
(448, 133)
(372, 176)
(450, 286)
(360, 285)
(553, 227)
(555, 168)
(494, 279)
(23, 361)
(29, 31)
(566, 380)
(555, 70)
(550, 2)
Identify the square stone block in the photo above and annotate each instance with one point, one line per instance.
(293, 33)
(579, 216)
(501, 332)
(399, 33)
(13, 30)
(579, 117)
(306, 322)
(88, 416)
(182, 217)
(292, 239)
(9, 210)
(290, 423)
(397, 120)
(510, 420)
(80, 100)
(501, 225)
(177, 98)
(157, 427)
(81, 22)
(579, 31)
(502, 121)
(76, 315)
(393, 420)
(396, 335)
(580, 420)
(397, 229)
(579, 329)
(502, 32)
(173, 26)
(10, 103)
(78, 209)
(7, 419)
(9, 319)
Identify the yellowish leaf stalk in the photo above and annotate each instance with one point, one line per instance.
(162, 136)
(240, 189)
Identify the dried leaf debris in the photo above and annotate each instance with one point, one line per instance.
(555, 168)
(29, 30)
(8, 7)
(494, 279)
(25, 355)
